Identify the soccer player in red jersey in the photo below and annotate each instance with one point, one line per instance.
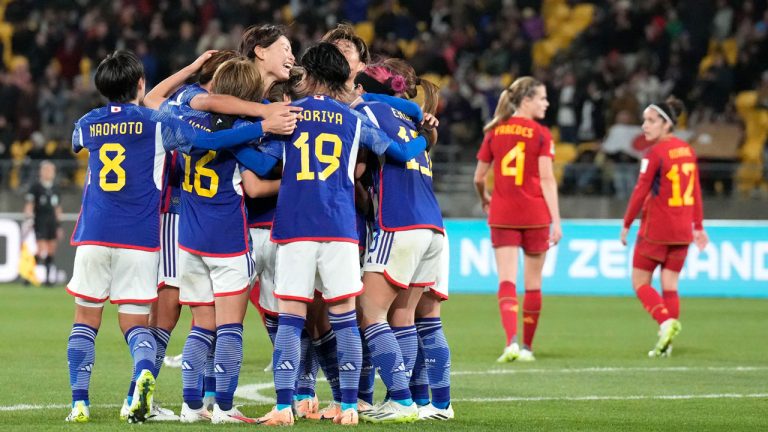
(669, 194)
(523, 204)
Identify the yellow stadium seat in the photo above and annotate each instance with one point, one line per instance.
(408, 47)
(565, 153)
(731, 50)
(365, 30)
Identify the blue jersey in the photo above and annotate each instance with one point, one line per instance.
(121, 195)
(261, 211)
(316, 198)
(405, 195)
(177, 105)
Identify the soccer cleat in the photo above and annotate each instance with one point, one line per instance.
(124, 410)
(392, 412)
(160, 414)
(268, 368)
(141, 405)
(209, 400)
(305, 406)
(328, 413)
(526, 355)
(363, 406)
(667, 331)
(231, 416)
(189, 415)
(510, 354)
(284, 417)
(429, 412)
(80, 413)
(348, 417)
(172, 361)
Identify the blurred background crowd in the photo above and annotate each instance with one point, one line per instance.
(603, 62)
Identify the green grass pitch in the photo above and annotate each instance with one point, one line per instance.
(592, 371)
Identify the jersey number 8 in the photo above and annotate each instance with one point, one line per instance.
(112, 164)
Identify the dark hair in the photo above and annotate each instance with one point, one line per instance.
(259, 35)
(347, 32)
(117, 76)
(209, 67)
(287, 88)
(326, 70)
(673, 107)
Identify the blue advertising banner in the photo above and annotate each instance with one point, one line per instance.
(590, 260)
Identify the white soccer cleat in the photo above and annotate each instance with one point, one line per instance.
(510, 354)
(80, 413)
(172, 361)
(231, 416)
(141, 404)
(124, 410)
(189, 415)
(363, 406)
(392, 412)
(526, 355)
(268, 368)
(429, 412)
(160, 414)
(209, 400)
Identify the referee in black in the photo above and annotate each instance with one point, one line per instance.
(44, 207)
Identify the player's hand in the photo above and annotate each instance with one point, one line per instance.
(486, 203)
(701, 239)
(430, 121)
(623, 236)
(278, 108)
(198, 63)
(556, 234)
(282, 124)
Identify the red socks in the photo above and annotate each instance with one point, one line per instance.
(531, 310)
(672, 301)
(508, 309)
(653, 303)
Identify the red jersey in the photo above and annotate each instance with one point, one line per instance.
(673, 208)
(514, 147)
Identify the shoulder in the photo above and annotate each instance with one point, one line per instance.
(92, 116)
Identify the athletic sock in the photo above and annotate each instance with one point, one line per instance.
(387, 358)
(143, 349)
(305, 385)
(286, 357)
(349, 355)
(508, 308)
(326, 351)
(81, 355)
(419, 384)
(653, 303)
(227, 360)
(437, 357)
(672, 302)
(270, 323)
(367, 374)
(531, 311)
(162, 336)
(196, 348)
(408, 341)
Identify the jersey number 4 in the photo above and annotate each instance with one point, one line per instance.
(200, 172)
(331, 159)
(513, 163)
(688, 169)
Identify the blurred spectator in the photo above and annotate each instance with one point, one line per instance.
(567, 115)
(723, 21)
(619, 146)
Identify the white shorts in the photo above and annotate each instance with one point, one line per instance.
(299, 264)
(440, 288)
(406, 258)
(264, 253)
(118, 274)
(203, 277)
(169, 251)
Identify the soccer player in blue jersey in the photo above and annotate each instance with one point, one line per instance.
(313, 229)
(117, 232)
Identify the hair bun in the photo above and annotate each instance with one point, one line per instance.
(398, 84)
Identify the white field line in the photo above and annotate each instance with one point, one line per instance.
(29, 407)
(616, 398)
(614, 370)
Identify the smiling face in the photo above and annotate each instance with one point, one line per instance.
(275, 61)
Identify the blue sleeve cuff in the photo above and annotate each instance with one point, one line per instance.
(409, 108)
(405, 152)
(228, 138)
(254, 160)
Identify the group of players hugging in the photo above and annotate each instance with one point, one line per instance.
(285, 184)
(263, 175)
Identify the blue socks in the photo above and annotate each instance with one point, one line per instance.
(367, 375)
(270, 322)
(305, 385)
(325, 349)
(199, 343)
(387, 358)
(209, 375)
(419, 380)
(143, 349)
(349, 355)
(162, 336)
(408, 340)
(437, 357)
(81, 354)
(286, 357)
(228, 358)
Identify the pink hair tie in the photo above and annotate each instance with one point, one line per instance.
(398, 84)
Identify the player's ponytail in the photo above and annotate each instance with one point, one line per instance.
(238, 77)
(669, 110)
(511, 98)
(395, 76)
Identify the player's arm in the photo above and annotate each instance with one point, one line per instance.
(481, 172)
(700, 237)
(256, 161)
(409, 108)
(649, 166)
(549, 190)
(380, 143)
(155, 97)
(231, 105)
(256, 187)
(177, 134)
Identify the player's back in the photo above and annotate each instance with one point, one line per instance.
(515, 146)
(121, 197)
(675, 196)
(316, 197)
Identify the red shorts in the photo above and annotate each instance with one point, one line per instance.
(532, 240)
(649, 255)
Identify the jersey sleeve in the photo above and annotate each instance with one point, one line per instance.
(254, 160)
(409, 108)
(380, 143)
(698, 204)
(485, 154)
(189, 93)
(177, 134)
(31, 193)
(649, 167)
(77, 138)
(547, 147)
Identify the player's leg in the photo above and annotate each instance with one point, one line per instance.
(532, 276)
(134, 319)
(50, 247)
(506, 248)
(402, 321)
(670, 275)
(436, 362)
(325, 347)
